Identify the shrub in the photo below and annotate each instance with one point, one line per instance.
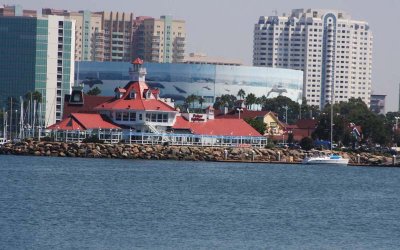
(307, 143)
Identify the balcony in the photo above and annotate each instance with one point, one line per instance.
(117, 51)
(180, 41)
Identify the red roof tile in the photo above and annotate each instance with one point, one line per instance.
(226, 127)
(68, 123)
(307, 123)
(83, 122)
(137, 61)
(93, 121)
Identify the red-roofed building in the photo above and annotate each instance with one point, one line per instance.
(139, 108)
(136, 110)
(80, 121)
(220, 127)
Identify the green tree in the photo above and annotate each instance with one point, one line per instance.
(225, 100)
(257, 124)
(241, 94)
(94, 91)
(34, 95)
(261, 100)
(306, 143)
(201, 100)
(191, 99)
(375, 128)
(250, 100)
(276, 105)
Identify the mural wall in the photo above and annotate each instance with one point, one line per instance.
(177, 81)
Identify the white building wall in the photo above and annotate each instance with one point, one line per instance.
(52, 56)
(55, 93)
(297, 42)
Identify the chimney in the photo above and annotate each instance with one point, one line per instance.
(76, 96)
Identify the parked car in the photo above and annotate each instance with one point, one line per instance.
(294, 146)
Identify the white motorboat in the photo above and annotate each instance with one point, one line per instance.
(328, 159)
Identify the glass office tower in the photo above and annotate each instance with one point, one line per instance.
(36, 54)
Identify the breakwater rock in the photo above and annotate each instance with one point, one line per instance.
(159, 152)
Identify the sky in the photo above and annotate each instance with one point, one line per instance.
(224, 28)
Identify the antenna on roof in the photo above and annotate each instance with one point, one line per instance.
(275, 12)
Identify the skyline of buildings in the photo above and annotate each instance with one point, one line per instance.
(334, 52)
(327, 45)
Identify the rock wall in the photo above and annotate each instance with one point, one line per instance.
(159, 152)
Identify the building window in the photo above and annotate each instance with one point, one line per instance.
(160, 118)
(118, 116)
(125, 116)
(132, 116)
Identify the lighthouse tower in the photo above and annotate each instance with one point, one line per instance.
(137, 73)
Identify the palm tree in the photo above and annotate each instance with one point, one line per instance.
(250, 100)
(261, 101)
(241, 94)
(191, 99)
(201, 101)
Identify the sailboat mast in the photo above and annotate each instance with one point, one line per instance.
(332, 102)
(21, 118)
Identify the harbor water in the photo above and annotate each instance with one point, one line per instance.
(75, 203)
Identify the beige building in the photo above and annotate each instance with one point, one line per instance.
(201, 58)
(89, 39)
(16, 10)
(160, 40)
(118, 31)
(100, 36)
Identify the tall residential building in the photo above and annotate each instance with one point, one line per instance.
(16, 10)
(89, 34)
(159, 40)
(37, 55)
(117, 36)
(334, 52)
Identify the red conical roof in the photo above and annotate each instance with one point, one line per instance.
(137, 61)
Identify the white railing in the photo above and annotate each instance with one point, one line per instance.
(197, 140)
(127, 136)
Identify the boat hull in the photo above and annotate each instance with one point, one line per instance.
(327, 161)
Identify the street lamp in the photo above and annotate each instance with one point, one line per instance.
(286, 108)
(239, 110)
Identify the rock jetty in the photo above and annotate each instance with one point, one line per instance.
(189, 153)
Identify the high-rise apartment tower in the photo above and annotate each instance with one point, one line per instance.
(159, 40)
(334, 52)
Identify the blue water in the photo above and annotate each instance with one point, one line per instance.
(60, 203)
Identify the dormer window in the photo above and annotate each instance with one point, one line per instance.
(148, 94)
(132, 95)
(119, 92)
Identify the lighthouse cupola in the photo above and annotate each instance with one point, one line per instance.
(137, 73)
